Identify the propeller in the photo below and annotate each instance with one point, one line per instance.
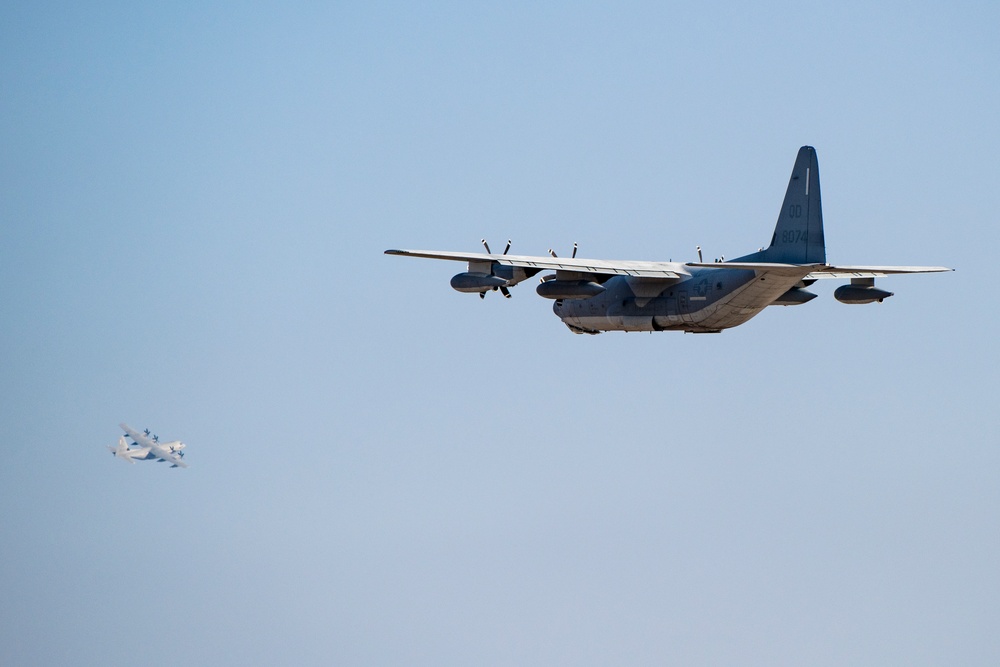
(490, 252)
(146, 431)
(503, 288)
(156, 438)
(573, 256)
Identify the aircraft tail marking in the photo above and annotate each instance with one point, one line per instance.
(798, 234)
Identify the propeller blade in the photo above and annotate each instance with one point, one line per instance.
(505, 291)
(553, 252)
(482, 295)
(486, 245)
(574, 251)
(507, 248)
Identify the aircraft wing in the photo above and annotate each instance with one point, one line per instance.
(872, 271)
(817, 271)
(641, 269)
(139, 438)
(168, 456)
(175, 460)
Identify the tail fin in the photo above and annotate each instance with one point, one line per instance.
(798, 236)
(122, 450)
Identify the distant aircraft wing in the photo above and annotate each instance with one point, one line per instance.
(641, 269)
(137, 437)
(176, 461)
(169, 457)
(817, 271)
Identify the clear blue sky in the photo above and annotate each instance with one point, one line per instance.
(193, 207)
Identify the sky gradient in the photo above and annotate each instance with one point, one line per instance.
(193, 208)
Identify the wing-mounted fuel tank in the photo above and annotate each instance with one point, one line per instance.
(861, 290)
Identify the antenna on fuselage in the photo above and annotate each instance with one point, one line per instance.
(698, 248)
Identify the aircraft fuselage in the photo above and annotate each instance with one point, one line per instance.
(703, 301)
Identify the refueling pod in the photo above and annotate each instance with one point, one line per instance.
(476, 282)
(861, 290)
(794, 297)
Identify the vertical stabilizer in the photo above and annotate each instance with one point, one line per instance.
(798, 236)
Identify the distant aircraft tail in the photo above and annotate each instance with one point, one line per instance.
(122, 450)
(798, 236)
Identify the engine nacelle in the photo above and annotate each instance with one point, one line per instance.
(860, 294)
(476, 282)
(569, 289)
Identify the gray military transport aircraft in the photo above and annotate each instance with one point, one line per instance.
(594, 295)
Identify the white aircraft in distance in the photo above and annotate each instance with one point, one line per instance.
(148, 448)
(595, 295)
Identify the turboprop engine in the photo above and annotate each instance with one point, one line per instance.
(861, 290)
(486, 275)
